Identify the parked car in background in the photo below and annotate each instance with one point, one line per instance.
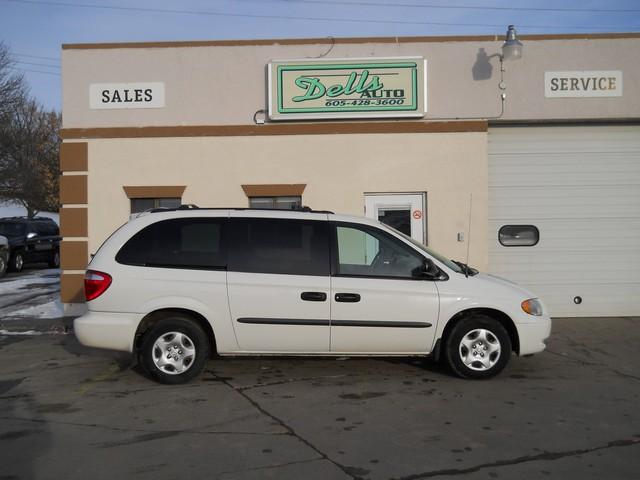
(4, 255)
(175, 286)
(31, 240)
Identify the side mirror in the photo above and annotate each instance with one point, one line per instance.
(31, 235)
(430, 271)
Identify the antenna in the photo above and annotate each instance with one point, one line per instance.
(466, 269)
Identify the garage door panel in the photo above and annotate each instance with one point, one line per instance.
(597, 300)
(580, 186)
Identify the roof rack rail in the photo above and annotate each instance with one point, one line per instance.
(191, 206)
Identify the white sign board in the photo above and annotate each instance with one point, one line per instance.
(126, 95)
(583, 84)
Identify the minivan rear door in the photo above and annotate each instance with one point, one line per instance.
(278, 282)
(379, 301)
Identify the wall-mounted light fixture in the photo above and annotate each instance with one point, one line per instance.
(512, 47)
(511, 50)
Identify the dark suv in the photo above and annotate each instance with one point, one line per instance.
(31, 240)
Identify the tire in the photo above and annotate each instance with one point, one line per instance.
(16, 262)
(166, 348)
(54, 260)
(4, 265)
(484, 344)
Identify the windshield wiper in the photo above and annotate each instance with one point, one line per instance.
(466, 269)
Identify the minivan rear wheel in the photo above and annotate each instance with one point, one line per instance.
(478, 347)
(175, 350)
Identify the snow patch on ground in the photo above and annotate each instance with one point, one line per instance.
(13, 286)
(13, 210)
(51, 309)
(7, 333)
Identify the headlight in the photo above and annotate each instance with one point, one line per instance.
(532, 307)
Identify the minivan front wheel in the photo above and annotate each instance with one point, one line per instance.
(478, 347)
(175, 350)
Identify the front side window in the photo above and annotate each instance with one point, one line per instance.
(192, 243)
(142, 204)
(518, 235)
(369, 252)
(280, 203)
(279, 246)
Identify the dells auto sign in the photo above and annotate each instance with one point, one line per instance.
(347, 88)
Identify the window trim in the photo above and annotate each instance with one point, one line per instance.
(335, 260)
(537, 230)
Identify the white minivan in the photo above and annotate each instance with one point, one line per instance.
(177, 286)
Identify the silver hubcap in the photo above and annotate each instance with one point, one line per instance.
(19, 262)
(479, 349)
(173, 353)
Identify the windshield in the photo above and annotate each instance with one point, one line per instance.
(11, 229)
(441, 258)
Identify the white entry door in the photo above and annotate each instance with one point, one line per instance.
(403, 211)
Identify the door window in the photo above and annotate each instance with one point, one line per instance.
(280, 246)
(192, 243)
(398, 218)
(370, 252)
(519, 235)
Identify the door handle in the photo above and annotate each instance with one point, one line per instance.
(347, 297)
(313, 296)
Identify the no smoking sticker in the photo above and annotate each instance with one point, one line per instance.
(417, 214)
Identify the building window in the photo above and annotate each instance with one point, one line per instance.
(518, 235)
(141, 204)
(280, 203)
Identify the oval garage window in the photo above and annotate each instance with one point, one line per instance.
(519, 235)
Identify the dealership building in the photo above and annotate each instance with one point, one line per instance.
(529, 167)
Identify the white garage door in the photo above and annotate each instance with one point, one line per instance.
(580, 186)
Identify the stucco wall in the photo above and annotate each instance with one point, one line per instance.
(225, 85)
(338, 170)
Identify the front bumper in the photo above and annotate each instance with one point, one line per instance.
(115, 331)
(532, 335)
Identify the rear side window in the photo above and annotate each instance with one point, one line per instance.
(519, 235)
(192, 243)
(280, 246)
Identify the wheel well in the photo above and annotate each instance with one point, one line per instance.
(502, 317)
(154, 317)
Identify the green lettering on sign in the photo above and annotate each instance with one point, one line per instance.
(315, 89)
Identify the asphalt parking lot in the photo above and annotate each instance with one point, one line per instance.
(571, 412)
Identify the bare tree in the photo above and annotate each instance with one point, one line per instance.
(13, 89)
(29, 145)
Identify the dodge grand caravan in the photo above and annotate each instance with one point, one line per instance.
(177, 286)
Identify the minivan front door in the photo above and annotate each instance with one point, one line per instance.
(279, 284)
(379, 304)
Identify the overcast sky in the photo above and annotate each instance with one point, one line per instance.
(34, 30)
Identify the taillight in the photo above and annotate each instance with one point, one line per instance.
(95, 284)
